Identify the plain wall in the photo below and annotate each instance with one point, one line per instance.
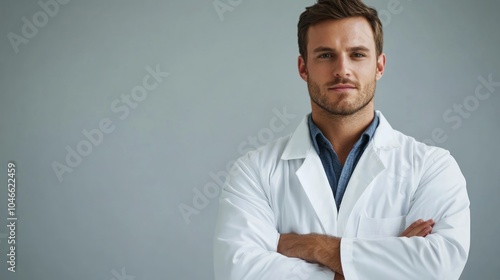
(116, 212)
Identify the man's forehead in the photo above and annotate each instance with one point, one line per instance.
(351, 31)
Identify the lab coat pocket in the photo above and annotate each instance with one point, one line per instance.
(380, 227)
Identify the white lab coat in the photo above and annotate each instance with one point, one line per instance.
(282, 188)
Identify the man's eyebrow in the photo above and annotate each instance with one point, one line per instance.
(358, 48)
(351, 49)
(323, 49)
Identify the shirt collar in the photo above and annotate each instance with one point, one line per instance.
(318, 138)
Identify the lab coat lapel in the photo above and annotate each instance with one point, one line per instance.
(312, 177)
(368, 168)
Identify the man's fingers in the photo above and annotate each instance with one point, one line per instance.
(419, 228)
(412, 227)
(339, 276)
(426, 229)
(422, 229)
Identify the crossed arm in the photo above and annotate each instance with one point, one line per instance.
(249, 246)
(325, 250)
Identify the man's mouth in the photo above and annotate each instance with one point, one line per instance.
(342, 87)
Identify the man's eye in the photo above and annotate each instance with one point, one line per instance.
(358, 55)
(325, 55)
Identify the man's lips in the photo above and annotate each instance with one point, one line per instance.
(342, 87)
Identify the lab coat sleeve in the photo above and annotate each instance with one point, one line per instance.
(246, 236)
(441, 195)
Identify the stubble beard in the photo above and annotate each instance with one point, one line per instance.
(341, 107)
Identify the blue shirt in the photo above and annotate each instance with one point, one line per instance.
(338, 175)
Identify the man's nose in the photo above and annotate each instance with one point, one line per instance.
(342, 67)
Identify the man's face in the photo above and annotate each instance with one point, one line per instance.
(342, 66)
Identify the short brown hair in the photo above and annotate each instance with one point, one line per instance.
(338, 9)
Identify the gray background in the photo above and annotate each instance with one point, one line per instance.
(116, 215)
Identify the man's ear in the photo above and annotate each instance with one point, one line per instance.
(380, 66)
(302, 68)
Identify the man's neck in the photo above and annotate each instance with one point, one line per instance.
(343, 131)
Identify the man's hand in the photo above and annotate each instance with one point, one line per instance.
(338, 277)
(418, 228)
(325, 250)
(314, 248)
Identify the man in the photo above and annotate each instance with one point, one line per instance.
(345, 195)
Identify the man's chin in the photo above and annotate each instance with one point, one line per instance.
(347, 110)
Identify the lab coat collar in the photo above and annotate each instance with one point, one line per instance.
(315, 183)
(300, 142)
